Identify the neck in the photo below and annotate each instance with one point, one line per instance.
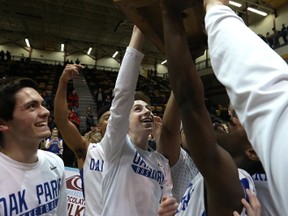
(20, 154)
(139, 141)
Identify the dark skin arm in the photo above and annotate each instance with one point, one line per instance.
(169, 144)
(214, 163)
(70, 134)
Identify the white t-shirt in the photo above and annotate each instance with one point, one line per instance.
(193, 202)
(182, 174)
(33, 189)
(255, 77)
(264, 196)
(120, 178)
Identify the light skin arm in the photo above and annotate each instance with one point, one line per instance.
(214, 163)
(208, 4)
(169, 143)
(168, 206)
(69, 131)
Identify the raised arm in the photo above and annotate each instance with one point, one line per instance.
(255, 77)
(68, 130)
(169, 143)
(214, 163)
(124, 90)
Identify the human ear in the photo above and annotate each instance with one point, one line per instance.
(3, 125)
(252, 154)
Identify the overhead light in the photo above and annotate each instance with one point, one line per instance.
(27, 42)
(115, 54)
(164, 62)
(89, 50)
(236, 4)
(257, 11)
(62, 47)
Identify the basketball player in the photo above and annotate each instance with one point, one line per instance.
(32, 181)
(255, 77)
(121, 177)
(208, 193)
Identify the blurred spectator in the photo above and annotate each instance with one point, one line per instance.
(107, 101)
(275, 37)
(89, 118)
(99, 98)
(74, 118)
(2, 55)
(284, 33)
(54, 144)
(94, 135)
(8, 55)
(73, 100)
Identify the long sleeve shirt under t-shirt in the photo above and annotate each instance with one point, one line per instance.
(120, 178)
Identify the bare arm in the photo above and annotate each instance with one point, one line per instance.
(214, 163)
(69, 132)
(169, 144)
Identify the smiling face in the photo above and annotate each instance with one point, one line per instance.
(141, 118)
(30, 117)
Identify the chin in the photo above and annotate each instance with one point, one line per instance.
(45, 134)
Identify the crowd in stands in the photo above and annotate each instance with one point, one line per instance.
(274, 39)
(101, 84)
(209, 160)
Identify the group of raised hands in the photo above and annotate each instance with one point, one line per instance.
(169, 205)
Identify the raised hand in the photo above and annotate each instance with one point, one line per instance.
(70, 71)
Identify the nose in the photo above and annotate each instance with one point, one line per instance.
(148, 112)
(44, 111)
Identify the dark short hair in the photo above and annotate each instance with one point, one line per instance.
(8, 88)
(103, 110)
(140, 95)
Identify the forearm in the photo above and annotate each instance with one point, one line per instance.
(137, 39)
(60, 103)
(181, 68)
(169, 144)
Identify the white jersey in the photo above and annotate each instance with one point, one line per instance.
(264, 195)
(255, 78)
(120, 178)
(193, 202)
(33, 189)
(182, 173)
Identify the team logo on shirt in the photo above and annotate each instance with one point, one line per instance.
(186, 198)
(17, 203)
(140, 167)
(96, 165)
